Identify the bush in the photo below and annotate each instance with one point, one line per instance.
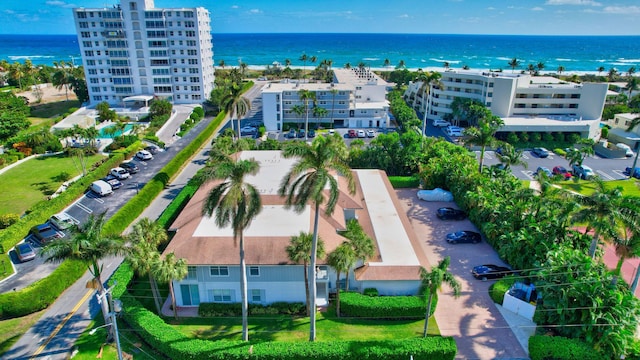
(7, 220)
(559, 348)
(399, 182)
(177, 204)
(382, 307)
(498, 288)
(524, 137)
(558, 136)
(512, 138)
(370, 292)
(536, 137)
(547, 137)
(572, 138)
(235, 309)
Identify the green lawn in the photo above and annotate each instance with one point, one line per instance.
(52, 109)
(34, 180)
(629, 187)
(12, 329)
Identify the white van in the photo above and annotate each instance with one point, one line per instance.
(101, 188)
(626, 148)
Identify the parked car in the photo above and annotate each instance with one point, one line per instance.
(583, 172)
(626, 148)
(132, 168)
(144, 155)
(465, 236)
(540, 152)
(120, 173)
(112, 181)
(46, 232)
(352, 133)
(560, 170)
(499, 150)
(152, 149)
(361, 134)
(101, 188)
(441, 123)
(248, 130)
(25, 252)
(62, 221)
(490, 271)
(454, 131)
(301, 133)
(448, 213)
(312, 133)
(636, 172)
(545, 170)
(371, 133)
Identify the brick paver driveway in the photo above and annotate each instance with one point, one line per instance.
(472, 319)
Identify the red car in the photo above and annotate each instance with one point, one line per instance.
(352, 133)
(559, 170)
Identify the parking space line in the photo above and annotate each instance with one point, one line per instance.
(528, 173)
(605, 175)
(84, 208)
(620, 172)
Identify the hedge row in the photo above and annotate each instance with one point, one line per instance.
(235, 309)
(172, 211)
(543, 347)
(178, 346)
(383, 307)
(498, 288)
(401, 182)
(130, 211)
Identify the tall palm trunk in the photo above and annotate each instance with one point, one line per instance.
(305, 269)
(427, 315)
(338, 294)
(173, 300)
(594, 245)
(306, 120)
(156, 294)
(312, 274)
(481, 159)
(634, 284)
(103, 295)
(243, 290)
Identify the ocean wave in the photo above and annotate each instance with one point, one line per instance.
(601, 60)
(623, 60)
(444, 61)
(25, 57)
(618, 63)
(370, 59)
(561, 59)
(504, 58)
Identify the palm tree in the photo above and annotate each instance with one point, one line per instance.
(89, 245)
(401, 64)
(630, 72)
(145, 238)
(341, 259)
(446, 65)
(166, 271)
(222, 64)
(386, 63)
(540, 66)
(632, 85)
(347, 65)
(287, 62)
(627, 245)
(319, 113)
(514, 63)
(600, 70)
(235, 203)
(304, 59)
(61, 78)
(510, 156)
(299, 250)
(359, 241)
(235, 104)
(611, 75)
(432, 80)
(531, 68)
(333, 92)
(306, 96)
(306, 182)
(560, 69)
(483, 134)
(432, 282)
(603, 211)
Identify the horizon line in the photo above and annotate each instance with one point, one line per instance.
(366, 33)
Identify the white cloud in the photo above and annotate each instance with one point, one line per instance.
(255, 11)
(621, 10)
(491, 8)
(60, 4)
(537, 8)
(404, 16)
(573, 2)
(234, 6)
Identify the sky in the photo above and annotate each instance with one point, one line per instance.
(526, 17)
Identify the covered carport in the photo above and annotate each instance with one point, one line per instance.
(137, 101)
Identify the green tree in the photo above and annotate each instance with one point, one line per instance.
(306, 182)
(61, 77)
(145, 238)
(341, 260)
(401, 65)
(386, 63)
(236, 203)
(160, 107)
(89, 246)
(236, 105)
(432, 282)
(319, 113)
(612, 74)
(13, 115)
(560, 69)
(483, 134)
(105, 113)
(513, 64)
(166, 271)
(632, 85)
(306, 96)
(360, 242)
(511, 156)
(222, 64)
(299, 251)
(304, 59)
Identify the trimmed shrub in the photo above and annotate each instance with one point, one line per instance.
(370, 292)
(547, 137)
(498, 288)
(512, 138)
(558, 136)
(399, 182)
(235, 309)
(543, 347)
(524, 137)
(382, 307)
(536, 137)
(7, 220)
(175, 207)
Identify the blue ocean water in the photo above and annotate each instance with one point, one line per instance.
(426, 51)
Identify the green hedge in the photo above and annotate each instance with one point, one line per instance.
(399, 182)
(383, 307)
(235, 309)
(178, 346)
(497, 289)
(543, 347)
(42, 293)
(172, 211)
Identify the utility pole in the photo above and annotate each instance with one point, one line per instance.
(113, 310)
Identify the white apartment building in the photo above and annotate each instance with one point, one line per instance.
(618, 132)
(525, 103)
(135, 49)
(356, 98)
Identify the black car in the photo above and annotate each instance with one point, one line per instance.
(132, 168)
(490, 271)
(447, 213)
(465, 236)
(636, 172)
(152, 149)
(301, 133)
(312, 133)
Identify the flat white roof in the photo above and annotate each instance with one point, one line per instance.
(295, 86)
(393, 241)
(272, 165)
(274, 219)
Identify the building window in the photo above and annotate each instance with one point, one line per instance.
(256, 295)
(219, 271)
(192, 273)
(190, 294)
(220, 295)
(254, 271)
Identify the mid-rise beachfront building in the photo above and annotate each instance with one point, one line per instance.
(135, 49)
(525, 103)
(355, 98)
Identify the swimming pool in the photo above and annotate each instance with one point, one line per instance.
(104, 133)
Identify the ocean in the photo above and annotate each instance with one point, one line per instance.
(577, 54)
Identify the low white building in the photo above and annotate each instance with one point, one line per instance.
(356, 98)
(618, 132)
(525, 103)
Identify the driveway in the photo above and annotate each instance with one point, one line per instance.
(472, 319)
